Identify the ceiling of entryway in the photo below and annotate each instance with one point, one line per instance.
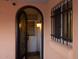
(29, 0)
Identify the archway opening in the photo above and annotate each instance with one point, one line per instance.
(29, 33)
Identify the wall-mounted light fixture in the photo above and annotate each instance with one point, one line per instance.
(20, 25)
(39, 25)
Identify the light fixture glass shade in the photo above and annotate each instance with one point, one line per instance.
(39, 25)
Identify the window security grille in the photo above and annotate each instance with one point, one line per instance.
(61, 22)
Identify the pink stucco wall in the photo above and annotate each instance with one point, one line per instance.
(75, 29)
(55, 50)
(52, 50)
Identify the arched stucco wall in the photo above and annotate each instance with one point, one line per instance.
(7, 24)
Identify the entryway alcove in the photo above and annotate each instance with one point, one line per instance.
(29, 33)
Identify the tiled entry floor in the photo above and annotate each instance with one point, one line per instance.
(33, 57)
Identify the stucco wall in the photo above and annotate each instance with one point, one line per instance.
(7, 26)
(55, 50)
(52, 50)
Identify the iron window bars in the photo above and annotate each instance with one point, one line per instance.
(61, 22)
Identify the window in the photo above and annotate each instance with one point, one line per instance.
(61, 22)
